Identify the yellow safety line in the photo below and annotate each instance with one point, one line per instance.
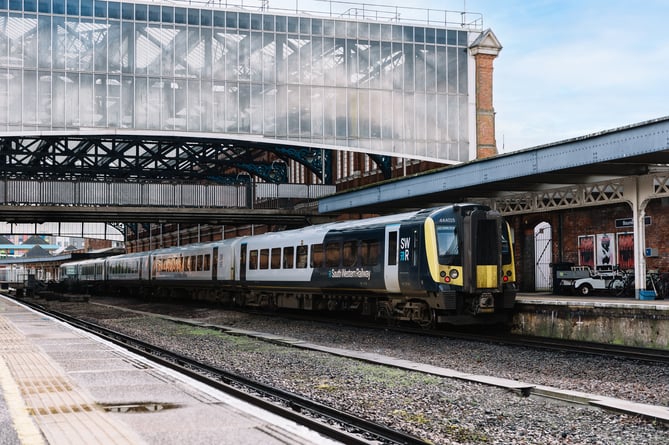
(26, 429)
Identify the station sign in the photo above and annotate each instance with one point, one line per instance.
(629, 222)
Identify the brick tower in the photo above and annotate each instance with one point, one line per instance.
(485, 49)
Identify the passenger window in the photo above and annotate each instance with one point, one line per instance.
(369, 253)
(264, 258)
(253, 260)
(316, 255)
(199, 263)
(276, 258)
(332, 255)
(350, 253)
(301, 257)
(288, 257)
(207, 261)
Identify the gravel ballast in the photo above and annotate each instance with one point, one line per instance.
(439, 410)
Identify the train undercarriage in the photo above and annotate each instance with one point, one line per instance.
(426, 310)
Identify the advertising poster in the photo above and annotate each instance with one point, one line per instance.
(626, 250)
(606, 250)
(586, 251)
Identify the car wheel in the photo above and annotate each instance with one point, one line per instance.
(584, 289)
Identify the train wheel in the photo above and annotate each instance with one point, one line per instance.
(429, 320)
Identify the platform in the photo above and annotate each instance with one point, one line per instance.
(60, 385)
(599, 319)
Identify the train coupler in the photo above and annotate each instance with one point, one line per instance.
(485, 304)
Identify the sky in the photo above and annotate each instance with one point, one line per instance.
(568, 68)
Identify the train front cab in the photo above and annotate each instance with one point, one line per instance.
(470, 259)
(489, 261)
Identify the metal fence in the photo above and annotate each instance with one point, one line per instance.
(253, 195)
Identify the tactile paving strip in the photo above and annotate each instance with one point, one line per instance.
(63, 413)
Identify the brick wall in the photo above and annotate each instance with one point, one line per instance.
(568, 225)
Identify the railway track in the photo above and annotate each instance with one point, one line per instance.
(625, 352)
(502, 337)
(498, 336)
(333, 423)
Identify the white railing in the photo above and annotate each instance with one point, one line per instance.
(64, 193)
(349, 10)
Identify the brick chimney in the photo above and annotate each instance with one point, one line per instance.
(485, 49)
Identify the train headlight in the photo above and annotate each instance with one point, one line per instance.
(453, 274)
(442, 274)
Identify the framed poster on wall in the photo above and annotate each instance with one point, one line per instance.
(625, 250)
(606, 250)
(586, 250)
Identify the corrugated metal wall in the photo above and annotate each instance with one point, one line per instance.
(148, 195)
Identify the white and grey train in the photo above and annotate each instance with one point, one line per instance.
(450, 264)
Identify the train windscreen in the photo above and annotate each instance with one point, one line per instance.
(447, 244)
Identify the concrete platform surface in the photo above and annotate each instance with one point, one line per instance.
(600, 301)
(59, 385)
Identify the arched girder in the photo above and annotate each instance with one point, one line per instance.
(101, 158)
(275, 172)
(120, 227)
(312, 158)
(384, 163)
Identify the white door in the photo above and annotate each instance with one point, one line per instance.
(543, 280)
(390, 262)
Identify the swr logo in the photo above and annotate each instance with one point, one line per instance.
(405, 247)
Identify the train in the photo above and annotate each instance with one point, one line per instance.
(451, 264)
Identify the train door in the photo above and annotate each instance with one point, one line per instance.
(242, 263)
(482, 246)
(390, 263)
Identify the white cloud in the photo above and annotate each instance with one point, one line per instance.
(576, 68)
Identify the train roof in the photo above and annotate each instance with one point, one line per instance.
(86, 261)
(373, 222)
(129, 255)
(188, 247)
